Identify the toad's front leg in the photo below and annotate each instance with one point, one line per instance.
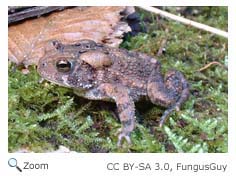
(124, 103)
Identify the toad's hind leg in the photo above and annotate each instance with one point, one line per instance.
(171, 92)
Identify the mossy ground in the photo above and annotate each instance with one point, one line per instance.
(43, 116)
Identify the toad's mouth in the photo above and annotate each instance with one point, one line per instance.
(63, 81)
(55, 80)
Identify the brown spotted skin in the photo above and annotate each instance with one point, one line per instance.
(99, 72)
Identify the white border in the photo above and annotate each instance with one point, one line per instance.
(93, 164)
(122, 2)
(232, 80)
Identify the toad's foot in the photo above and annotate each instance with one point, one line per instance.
(122, 136)
(166, 114)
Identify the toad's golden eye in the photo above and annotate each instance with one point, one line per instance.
(63, 66)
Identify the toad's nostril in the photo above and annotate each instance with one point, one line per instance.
(78, 44)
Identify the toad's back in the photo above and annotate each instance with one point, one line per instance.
(129, 69)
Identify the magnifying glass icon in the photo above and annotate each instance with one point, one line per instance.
(12, 162)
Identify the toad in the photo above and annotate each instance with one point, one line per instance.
(98, 72)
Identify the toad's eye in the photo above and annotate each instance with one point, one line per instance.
(63, 66)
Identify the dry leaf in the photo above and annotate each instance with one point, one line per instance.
(26, 41)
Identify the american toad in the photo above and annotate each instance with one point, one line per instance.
(99, 72)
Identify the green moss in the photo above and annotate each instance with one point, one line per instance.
(43, 116)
